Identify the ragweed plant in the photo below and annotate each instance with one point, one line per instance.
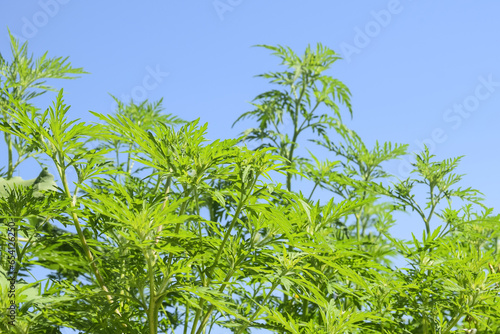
(192, 235)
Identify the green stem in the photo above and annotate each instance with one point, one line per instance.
(217, 257)
(129, 159)
(228, 233)
(358, 227)
(243, 198)
(81, 236)
(152, 314)
(212, 307)
(428, 219)
(296, 132)
(312, 191)
(167, 190)
(453, 322)
(186, 320)
(3, 246)
(10, 167)
(20, 254)
(117, 152)
(258, 312)
(166, 278)
(197, 316)
(305, 308)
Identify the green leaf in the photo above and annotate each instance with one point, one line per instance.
(44, 182)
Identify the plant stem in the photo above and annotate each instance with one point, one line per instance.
(152, 314)
(129, 158)
(296, 132)
(257, 313)
(167, 190)
(212, 307)
(10, 167)
(358, 227)
(243, 198)
(81, 236)
(312, 191)
(453, 322)
(186, 320)
(228, 232)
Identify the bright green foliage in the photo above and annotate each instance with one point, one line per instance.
(44, 182)
(305, 88)
(191, 235)
(21, 80)
(144, 115)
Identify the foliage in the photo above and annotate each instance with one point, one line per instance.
(192, 235)
(305, 89)
(21, 80)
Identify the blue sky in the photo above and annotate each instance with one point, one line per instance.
(419, 71)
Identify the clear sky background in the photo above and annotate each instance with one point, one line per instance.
(419, 71)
